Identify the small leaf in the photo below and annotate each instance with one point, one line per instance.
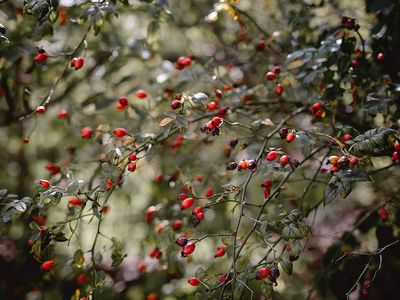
(78, 259)
(287, 266)
(166, 121)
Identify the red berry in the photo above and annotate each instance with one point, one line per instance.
(159, 178)
(182, 196)
(81, 279)
(290, 137)
(397, 147)
(270, 76)
(200, 216)
(218, 93)
(105, 209)
(47, 265)
(266, 183)
(380, 56)
(220, 252)
(75, 201)
(353, 161)
(197, 210)
(141, 94)
(45, 183)
(150, 213)
(176, 104)
(284, 160)
(279, 89)
(223, 111)
(209, 192)
(131, 167)
(194, 281)
(142, 266)
(216, 121)
(77, 63)
(243, 165)
(63, 113)
(317, 106)
(123, 101)
(335, 168)
(347, 137)
(132, 157)
(155, 253)
(41, 57)
(188, 249)
(395, 156)
(262, 273)
(276, 69)
(267, 193)
(223, 277)
(53, 169)
(181, 241)
(120, 132)
(184, 61)
(188, 202)
(25, 140)
(86, 132)
(383, 214)
(40, 109)
(260, 45)
(210, 125)
(177, 224)
(119, 106)
(83, 298)
(212, 105)
(272, 155)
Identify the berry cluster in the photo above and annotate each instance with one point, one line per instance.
(132, 163)
(342, 163)
(287, 134)
(396, 153)
(175, 104)
(183, 62)
(122, 103)
(317, 110)
(187, 202)
(266, 185)
(272, 76)
(198, 215)
(212, 127)
(283, 160)
(272, 273)
(187, 248)
(242, 165)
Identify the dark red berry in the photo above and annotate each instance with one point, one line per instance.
(383, 214)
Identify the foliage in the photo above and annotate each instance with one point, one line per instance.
(197, 149)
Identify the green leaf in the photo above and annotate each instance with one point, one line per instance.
(287, 266)
(117, 256)
(78, 259)
(331, 191)
(267, 289)
(374, 142)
